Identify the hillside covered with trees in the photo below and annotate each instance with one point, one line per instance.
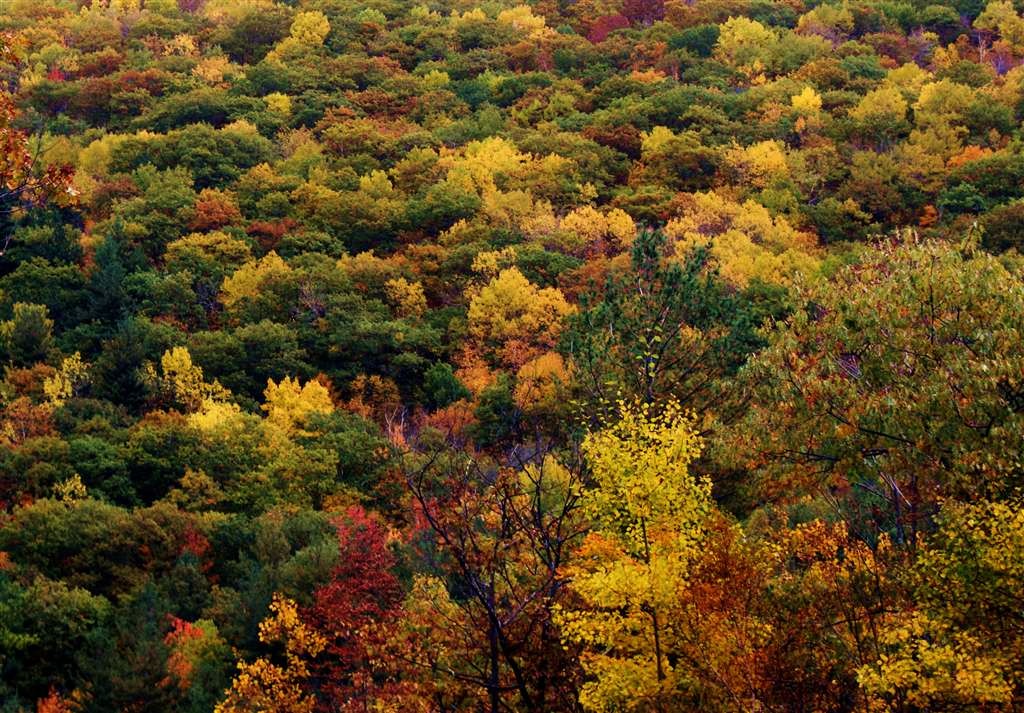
(605, 356)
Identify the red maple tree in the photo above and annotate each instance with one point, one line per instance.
(352, 611)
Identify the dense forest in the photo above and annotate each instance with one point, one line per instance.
(607, 355)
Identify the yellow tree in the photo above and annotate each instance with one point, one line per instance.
(960, 645)
(647, 515)
(758, 165)
(541, 382)
(248, 281)
(289, 404)
(746, 45)
(181, 383)
(266, 686)
(585, 227)
(406, 297)
(516, 318)
(70, 379)
(881, 115)
(748, 242)
(833, 22)
(280, 104)
(806, 106)
(1002, 17)
(308, 32)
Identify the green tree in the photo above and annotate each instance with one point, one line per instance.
(662, 329)
(896, 385)
(441, 387)
(27, 337)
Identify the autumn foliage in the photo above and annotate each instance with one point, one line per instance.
(455, 357)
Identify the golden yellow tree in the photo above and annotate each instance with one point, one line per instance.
(71, 377)
(407, 297)
(746, 45)
(959, 646)
(541, 383)
(262, 685)
(582, 228)
(247, 281)
(647, 515)
(308, 32)
(516, 318)
(181, 383)
(746, 239)
(289, 404)
(757, 165)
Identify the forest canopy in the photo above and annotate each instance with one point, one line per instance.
(604, 356)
